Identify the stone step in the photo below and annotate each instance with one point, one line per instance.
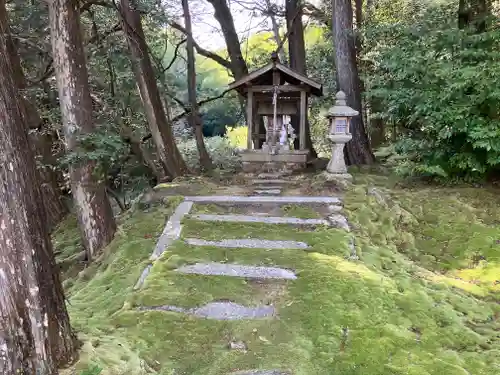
(261, 372)
(237, 270)
(172, 229)
(260, 200)
(249, 243)
(267, 191)
(272, 175)
(259, 219)
(267, 187)
(276, 182)
(219, 311)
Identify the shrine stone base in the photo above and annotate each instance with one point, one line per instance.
(259, 161)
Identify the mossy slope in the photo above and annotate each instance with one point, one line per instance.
(408, 306)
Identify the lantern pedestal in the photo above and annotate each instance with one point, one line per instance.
(337, 166)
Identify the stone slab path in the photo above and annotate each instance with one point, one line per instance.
(220, 311)
(234, 200)
(267, 191)
(270, 181)
(262, 372)
(249, 243)
(238, 270)
(172, 230)
(266, 194)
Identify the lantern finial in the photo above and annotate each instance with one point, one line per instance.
(341, 109)
(340, 98)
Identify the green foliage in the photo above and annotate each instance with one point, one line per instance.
(441, 87)
(237, 136)
(217, 118)
(223, 154)
(92, 370)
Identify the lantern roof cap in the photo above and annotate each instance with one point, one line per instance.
(341, 109)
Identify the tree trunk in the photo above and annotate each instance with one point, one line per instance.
(194, 115)
(140, 153)
(297, 56)
(377, 132)
(271, 9)
(473, 13)
(161, 130)
(94, 212)
(225, 18)
(358, 149)
(35, 334)
(41, 144)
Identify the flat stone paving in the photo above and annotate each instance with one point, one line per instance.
(257, 199)
(143, 277)
(249, 243)
(220, 311)
(267, 191)
(339, 221)
(261, 372)
(270, 181)
(274, 175)
(172, 229)
(260, 219)
(237, 270)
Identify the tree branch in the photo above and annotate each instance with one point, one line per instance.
(103, 3)
(202, 51)
(176, 51)
(316, 13)
(187, 110)
(100, 37)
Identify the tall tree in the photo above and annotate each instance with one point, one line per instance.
(42, 145)
(160, 127)
(95, 216)
(473, 13)
(297, 55)
(194, 115)
(270, 10)
(35, 334)
(225, 18)
(358, 151)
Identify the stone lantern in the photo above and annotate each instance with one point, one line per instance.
(339, 118)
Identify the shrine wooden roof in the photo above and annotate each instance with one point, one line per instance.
(264, 76)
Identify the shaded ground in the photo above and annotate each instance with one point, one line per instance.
(422, 299)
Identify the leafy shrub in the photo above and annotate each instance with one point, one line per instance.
(441, 87)
(237, 136)
(92, 370)
(223, 154)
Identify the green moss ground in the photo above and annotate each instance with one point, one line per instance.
(421, 300)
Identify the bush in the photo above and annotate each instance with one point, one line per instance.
(441, 87)
(224, 156)
(237, 136)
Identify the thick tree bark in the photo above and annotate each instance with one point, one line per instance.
(42, 146)
(194, 115)
(140, 153)
(271, 11)
(161, 130)
(358, 149)
(35, 334)
(473, 13)
(225, 18)
(297, 55)
(94, 212)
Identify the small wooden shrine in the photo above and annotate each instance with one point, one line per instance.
(275, 93)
